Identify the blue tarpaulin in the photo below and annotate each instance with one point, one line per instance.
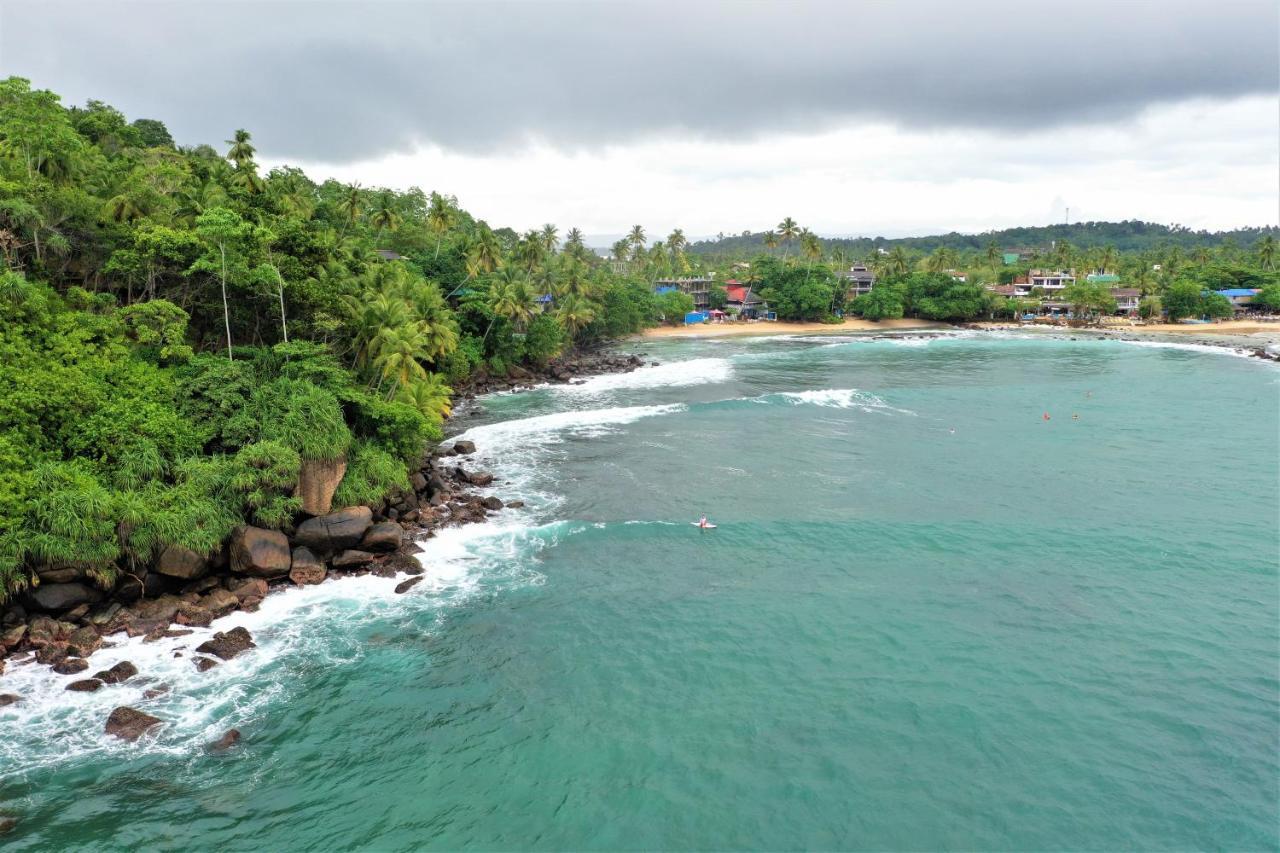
(694, 317)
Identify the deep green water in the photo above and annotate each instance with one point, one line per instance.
(1021, 634)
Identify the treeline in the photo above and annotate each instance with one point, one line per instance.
(180, 332)
(1129, 236)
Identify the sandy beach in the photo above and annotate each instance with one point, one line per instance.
(725, 330)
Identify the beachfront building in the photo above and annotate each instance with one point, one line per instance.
(1051, 281)
(699, 287)
(1241, 298)
(743, 302)
(858, 281)
(957, 275)
(1127, 299)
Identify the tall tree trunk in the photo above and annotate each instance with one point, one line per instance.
(226, 310)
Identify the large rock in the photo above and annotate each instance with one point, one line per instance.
(249, 590)
(382, 537)
(130, 723)
(13, 637)
(228, 740)
(491, 503)
(70, 666)
(228, 645)
(178, 562)
(326, 534)
(260, 553)
(161, 609)
(118, 674)
(64, 596)
(352, 558)
(83, 641)
(221, 601)
(317, 481)
(464, 447)
(86, 685)
(9, 699)
(42, 632)
(60, 574)
(476, 478)
(405, 586)
(307, 567)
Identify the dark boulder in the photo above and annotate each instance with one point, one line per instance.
(194, 614)
(491, 503)
(155, 584)
(118, 674)
(13, 637)
(405, 586)
(83, 642)
(252, 589)
(260, 553)
(477, 478)
(165, 634)
(462, 448)
(64, 596)
(228, 645)
(382, 537)
(70, 666)
(60, 574)
(403, 563)
(130, 723)
(352, 558)
(333, 532)
(51, 654)
(514, 504)
(220, 602)
(42, 631)
(204, 664)
(178, 562)
(154, 692)
(9, 699)
(306, 568)
(161, 609)
(418, 481)
(228, 740)
(87, 685)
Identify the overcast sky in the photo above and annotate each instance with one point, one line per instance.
(892, 118)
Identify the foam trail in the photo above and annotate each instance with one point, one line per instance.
(1202, 348)
(694, 371)
(837, 398)
(549, 428)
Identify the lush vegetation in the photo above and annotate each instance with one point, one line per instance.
(182, 332)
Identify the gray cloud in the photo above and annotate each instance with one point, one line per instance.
(338, 81)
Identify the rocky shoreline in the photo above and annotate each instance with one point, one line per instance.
(67, 617)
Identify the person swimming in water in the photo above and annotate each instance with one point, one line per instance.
(702, 522)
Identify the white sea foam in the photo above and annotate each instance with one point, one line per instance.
(541, 429)
(292, 628)
(837, 398)
(694, 371)
(1209, 349)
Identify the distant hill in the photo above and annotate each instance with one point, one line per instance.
(1130, 236)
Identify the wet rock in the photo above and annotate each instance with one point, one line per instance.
(191, 614)
(220, 602)
(251, 589)
(306, 568)
(351, 558)
(87, 685)
(64, 596)
(228, 645)
(326, 534)
(51, 654)
(405, 586)
(9, 699)
(59, 574)
(7, 824)
(130, 723)
(163, 608)
(105, 615)
(70, 666)
(42, 631)
(165, 634)
(259, 552)
(83, 642)
(228, 740)
(154, 692)
(491, 503)
(118, 674)
(202, 585)
(75, 614)
(477, 478)
(178, 562)
(464, 448)
(418, 481)
(382, 537)
(128, 589)
(317, 481)
(13, 637)
(204, 664)
(382, 570)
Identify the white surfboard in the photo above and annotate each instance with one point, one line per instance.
(703, 526)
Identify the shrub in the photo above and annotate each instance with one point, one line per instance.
(372, 473)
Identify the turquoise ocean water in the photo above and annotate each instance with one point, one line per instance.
(929, 619)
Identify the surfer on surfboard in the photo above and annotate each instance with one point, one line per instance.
(704, 524)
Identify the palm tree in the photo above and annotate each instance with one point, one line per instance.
(1062, 252)
(122, 208)
(550, 239)
(1108, 259)
(242, 150)
(636, 237)
(440, 218)
(351, 206)
(483, 252)
(401, 350)
(810, 247)
(1201, 256)
(676, 242)
(622, 250)
(428, 395)
(770, 240)
(993, 259)
(788, 230)
(1267, 252)
(573, 243)
(515, 301)
(574, 313)
(529, 251)
(897, 262)
(385, 216)
(246, 178)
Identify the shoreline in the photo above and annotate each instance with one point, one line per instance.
(1226, 328)
(780, 327)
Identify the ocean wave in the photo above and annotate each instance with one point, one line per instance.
(694, 371)
(1211, 349)
(836, 398)
(292, 628)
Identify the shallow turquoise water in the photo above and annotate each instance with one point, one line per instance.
(1020, 634)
